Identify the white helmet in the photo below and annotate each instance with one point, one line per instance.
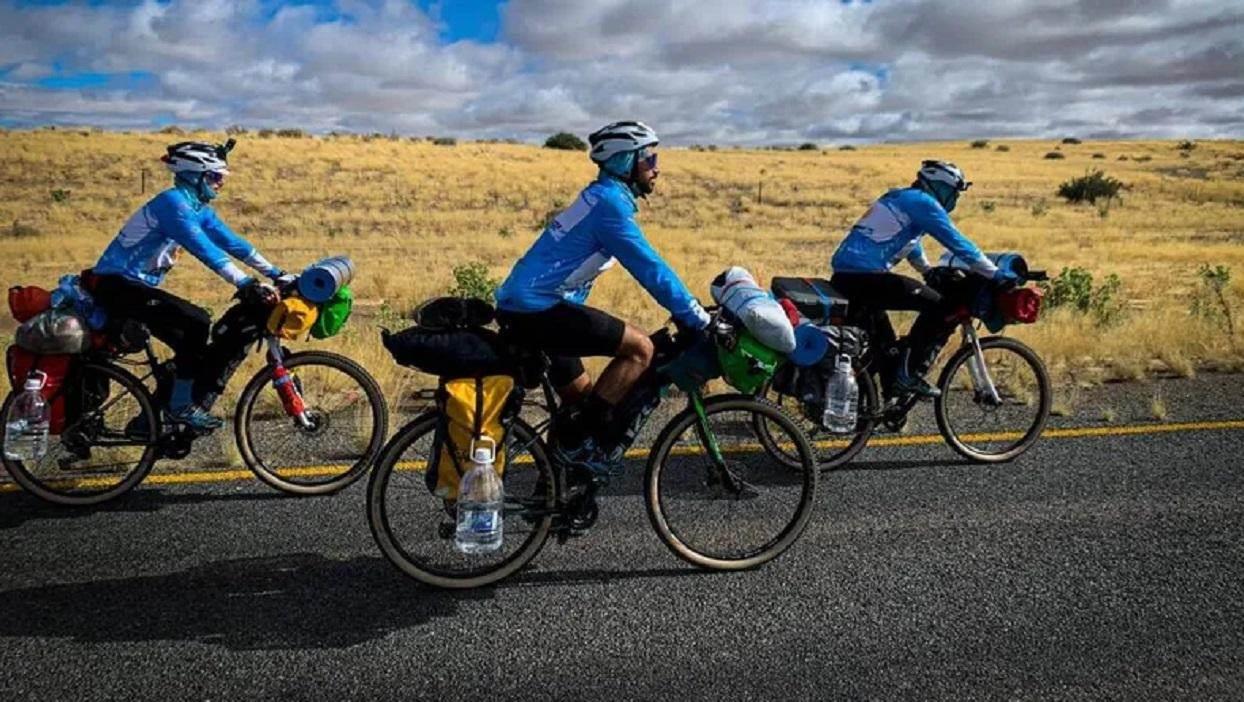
(620, 137)
(197, 157)
(943, 172)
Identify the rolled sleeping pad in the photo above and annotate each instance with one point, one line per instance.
(322, 279)
(736, 290)
(811, 345)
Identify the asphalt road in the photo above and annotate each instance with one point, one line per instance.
(1102, 567)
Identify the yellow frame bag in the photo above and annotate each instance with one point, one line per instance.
(292, 318)
(469, 408)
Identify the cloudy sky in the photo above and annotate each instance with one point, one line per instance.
(699, 71)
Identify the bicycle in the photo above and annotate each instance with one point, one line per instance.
(315, 434)
(707, 483)
(998, 381)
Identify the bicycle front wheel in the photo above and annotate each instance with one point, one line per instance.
(415, 529)
(348, 418)
(742, 512)
(103, 451)
(984, 428)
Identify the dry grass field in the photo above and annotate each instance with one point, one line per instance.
(408, 211)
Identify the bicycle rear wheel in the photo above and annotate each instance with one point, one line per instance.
(832, 450)
(349, 422)
(750, 514)
(102, 453)
(989, 431)
(414, 528)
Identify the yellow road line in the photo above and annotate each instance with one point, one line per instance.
(218, 476)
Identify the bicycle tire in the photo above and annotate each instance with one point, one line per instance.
(658, 469)
(829, 452)
(310, 482)
(1029, 436)
(49, 490)
(386, 535)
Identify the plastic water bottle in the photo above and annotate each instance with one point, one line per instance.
(841, 398)
(480, 500)
(26, 432)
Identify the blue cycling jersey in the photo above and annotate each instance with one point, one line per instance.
(584, 241)
(891, 231)
(151, 242)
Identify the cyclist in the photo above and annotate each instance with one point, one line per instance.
(542, 302)
(133, 266)
(889, 231)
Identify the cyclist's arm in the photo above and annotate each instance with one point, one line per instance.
(184, 228)
(918, 260)
(932, 218)
(620, 236)
(236, 246)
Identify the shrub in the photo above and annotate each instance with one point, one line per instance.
(1123, 157)
(988, 206)
(265, 133)
(445, 141)
(1055, 155)
(1209, 301)
(808, 146)
(235, 130)
(505, 232)
(1143, 159)
(1186, 145)
(172, 129)
(22, 231)
(60, 195)
(471, 280)
(1073, 287)
(290, 133)
(1072, 140)
(980, 143)
(1002, 147)
(1090, 187)
(846, 147)
(565, 141)
(1099, 155)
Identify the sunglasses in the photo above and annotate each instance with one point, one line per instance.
(214, 177)
(648, 159)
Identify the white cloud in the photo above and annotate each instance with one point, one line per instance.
(726, 71)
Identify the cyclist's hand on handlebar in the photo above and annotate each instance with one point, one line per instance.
(1004, 278)
(258, 293)
(285, 281)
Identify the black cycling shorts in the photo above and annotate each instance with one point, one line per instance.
(566, 332)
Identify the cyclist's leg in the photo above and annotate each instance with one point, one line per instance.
(903, 363)
(180, 324)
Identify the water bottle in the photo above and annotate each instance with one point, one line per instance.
(841, 398)
(26, 432)
(480, 500)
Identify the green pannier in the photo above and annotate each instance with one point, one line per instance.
(333, 314)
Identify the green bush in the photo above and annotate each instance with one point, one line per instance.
(290, 133)
(1073, 288)
(846, 147)
(445, 141)
(1055, 155)
(265, 133)
(1186, 145)
(1209, 301)
(1099, 155)
(808, 146)
(471, 280)
(1072, 140)
(60, 195)
(1090, 187)
(980, 143)
(566, 142)
(988, 206)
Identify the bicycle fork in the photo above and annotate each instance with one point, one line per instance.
(719, 474)
(982, 383)
(286, 388)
